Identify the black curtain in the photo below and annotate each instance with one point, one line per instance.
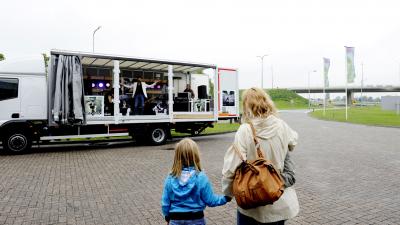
(66, 94)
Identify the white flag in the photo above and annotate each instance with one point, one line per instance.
(351, 74)
(327, 63)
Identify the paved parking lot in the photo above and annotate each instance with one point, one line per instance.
(346, 174)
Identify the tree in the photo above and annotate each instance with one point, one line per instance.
(2, 57)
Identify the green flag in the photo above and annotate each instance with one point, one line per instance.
(351, 74)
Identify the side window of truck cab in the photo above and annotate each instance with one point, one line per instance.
(8, 88)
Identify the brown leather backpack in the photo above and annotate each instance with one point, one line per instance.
(257, 182)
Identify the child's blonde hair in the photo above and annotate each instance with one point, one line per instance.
(257, 103)
(186, 155)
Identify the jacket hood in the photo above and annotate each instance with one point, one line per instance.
(184, 185)
(266, 127)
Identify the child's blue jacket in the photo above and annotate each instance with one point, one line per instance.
(192, 192)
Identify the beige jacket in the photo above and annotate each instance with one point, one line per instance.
(280, 136)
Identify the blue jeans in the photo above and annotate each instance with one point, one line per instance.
(188, 222)
(139, 104)
(245, 220)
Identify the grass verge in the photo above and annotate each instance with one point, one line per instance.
(283, 99)
(372, 115)
(290, 105)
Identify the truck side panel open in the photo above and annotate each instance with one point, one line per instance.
(190, 101)
(65, 91)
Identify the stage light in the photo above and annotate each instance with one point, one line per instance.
(107, 84)
(93, 85)
(101, 85)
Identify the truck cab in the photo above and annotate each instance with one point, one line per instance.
(23, 101)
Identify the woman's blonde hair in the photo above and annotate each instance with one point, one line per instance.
(187, 154)
(257, 103)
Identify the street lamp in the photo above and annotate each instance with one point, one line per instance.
(262, 70)
(94, 32)
(272, 77)
(362, 82)
(309, 91)
(399, 71)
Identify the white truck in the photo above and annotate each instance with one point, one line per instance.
(88, 95)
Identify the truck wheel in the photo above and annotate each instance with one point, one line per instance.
(157, 135)
(194, 132)
(17, 143)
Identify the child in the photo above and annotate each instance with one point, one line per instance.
(187, 190)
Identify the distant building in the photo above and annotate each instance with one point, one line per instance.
(390, 102)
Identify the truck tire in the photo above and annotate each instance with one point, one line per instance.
(17, 142)
(157, 135)
(194, 132)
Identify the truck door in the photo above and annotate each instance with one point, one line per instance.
(10, 103)
(228, 93)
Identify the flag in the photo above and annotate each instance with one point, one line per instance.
(327, 63)
(351, 74)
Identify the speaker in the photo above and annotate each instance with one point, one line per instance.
(181, 106)
(183, 95)
(202, 91)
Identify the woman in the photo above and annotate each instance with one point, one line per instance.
(276, 139)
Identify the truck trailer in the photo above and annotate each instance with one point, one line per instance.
(91, 95)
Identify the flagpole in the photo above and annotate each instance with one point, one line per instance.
(324, 92)
(346, 99)
(326, 65)
(324, 101)
(345, 61)
(362, 82)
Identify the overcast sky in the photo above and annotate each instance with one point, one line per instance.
(296, 34)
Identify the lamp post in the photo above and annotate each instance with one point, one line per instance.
(94, 32)
(272, 76)
(309, 91)
(399, 71)
(262, 70)
(362, 82)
